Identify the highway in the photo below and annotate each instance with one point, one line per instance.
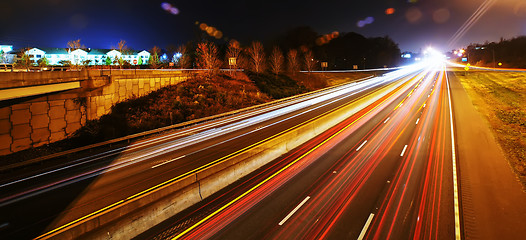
(40, 199)
(387, 172)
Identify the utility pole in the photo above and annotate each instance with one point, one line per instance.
(493, 49)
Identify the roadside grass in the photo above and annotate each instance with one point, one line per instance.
(277, 86)
(501, 98)
(339, 78)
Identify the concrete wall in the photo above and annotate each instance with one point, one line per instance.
(136, 215)
(54, 117)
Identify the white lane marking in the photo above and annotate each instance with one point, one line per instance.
(364, 229)
(387, 119)
(358, 149)
(169, 161)
(417, 120)
(455, 185)
(403, 151)
(294, 211)
(424, 105)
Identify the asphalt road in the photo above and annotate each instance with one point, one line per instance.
(38, 201)
(385, 173)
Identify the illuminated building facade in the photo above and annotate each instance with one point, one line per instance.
(64, 56)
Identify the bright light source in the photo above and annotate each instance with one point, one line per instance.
(434, 56)
(178, 55)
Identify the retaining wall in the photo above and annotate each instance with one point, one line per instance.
(54, 117)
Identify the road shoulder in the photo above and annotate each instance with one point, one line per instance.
(492, 200)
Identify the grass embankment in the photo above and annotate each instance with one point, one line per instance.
(340, 78)
(189, 100)
(276, 86)
(192, 99)
(501, 98)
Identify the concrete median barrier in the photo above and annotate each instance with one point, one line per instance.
(136, 215)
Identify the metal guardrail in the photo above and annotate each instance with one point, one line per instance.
(164, 129)
(357, 70)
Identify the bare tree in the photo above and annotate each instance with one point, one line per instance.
(155, 50)
(122, 47)
(276, 60)
(23, 59)
(293, 61)
(207, 58)
(234, 51)
(184, 57)
(308, 59)
(75, 44)
(257, 57)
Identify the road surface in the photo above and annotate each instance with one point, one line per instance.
(34, 202)
(387, 172)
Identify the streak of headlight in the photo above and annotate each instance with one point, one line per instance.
(470, 22)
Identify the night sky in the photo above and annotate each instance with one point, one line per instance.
(415, 24)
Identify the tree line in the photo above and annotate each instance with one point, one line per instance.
(298, 49)
(509, 52)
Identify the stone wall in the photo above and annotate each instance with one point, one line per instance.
(54, 117)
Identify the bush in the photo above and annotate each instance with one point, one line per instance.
(279, 86)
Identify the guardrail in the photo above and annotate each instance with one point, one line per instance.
(163, 129)
(131, 216)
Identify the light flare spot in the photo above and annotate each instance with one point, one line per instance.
(169, 8)
(413, 15)
(366, 21)
(441, 15)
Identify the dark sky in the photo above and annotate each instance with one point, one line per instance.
(415, 24)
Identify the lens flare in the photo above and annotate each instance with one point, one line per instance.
(441, 15)
(483, 8)
(166, 6)
(413, 15)
(169, 8)
(367, 20)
